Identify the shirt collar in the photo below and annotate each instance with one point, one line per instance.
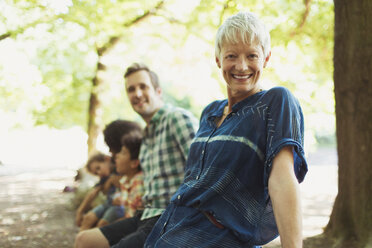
(156, 118)
(236, 107)
(247, 101)
(219, 110)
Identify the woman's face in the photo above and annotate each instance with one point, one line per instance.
(241, 66)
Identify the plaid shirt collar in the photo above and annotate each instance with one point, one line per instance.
(156, 118)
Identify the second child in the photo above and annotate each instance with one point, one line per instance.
(131, 184)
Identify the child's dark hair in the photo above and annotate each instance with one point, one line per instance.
(97, 157)
(132, 141)
(115, 130)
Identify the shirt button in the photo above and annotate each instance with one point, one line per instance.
(179, 197)
(203, 152)
(197, 177)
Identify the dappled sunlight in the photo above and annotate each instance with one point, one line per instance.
(57, 52)
(58, 61)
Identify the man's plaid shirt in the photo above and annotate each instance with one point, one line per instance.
(163, 154)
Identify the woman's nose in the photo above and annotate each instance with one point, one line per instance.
(242, 64)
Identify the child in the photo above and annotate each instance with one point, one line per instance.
(101, 165)
(128, 165)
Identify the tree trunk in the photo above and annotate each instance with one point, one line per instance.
(95, 109)
(351, 219)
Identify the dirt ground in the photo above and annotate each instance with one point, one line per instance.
(34, 212)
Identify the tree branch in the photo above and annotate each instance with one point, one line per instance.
(306, 13)
(225, 7)
(115, 39)
(20, 30)
(4, 36)
(304, 17)
(147, 13)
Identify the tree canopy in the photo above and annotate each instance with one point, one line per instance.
(52, 48)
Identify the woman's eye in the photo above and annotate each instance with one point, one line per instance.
(253, 56)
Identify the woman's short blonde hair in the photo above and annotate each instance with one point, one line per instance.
(245, 27)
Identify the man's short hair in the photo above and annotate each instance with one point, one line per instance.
(142, 67)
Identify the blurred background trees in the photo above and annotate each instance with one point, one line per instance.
(62, 65)
(62, 62)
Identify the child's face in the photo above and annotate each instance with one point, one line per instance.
(123, 161)
(101, 169)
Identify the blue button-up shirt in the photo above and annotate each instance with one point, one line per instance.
(227, 174)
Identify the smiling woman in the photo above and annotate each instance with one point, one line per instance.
(241, 66)
(246, 159)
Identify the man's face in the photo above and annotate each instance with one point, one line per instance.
(144, 98)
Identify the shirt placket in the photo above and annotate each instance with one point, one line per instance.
(150, 164)
(204, 151)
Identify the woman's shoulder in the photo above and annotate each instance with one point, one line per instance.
(211, 107)
(281, 99)
(280, 93)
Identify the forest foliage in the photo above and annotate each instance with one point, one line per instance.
(50, 50)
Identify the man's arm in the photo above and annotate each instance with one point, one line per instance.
(285, 197)
(184, 127)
